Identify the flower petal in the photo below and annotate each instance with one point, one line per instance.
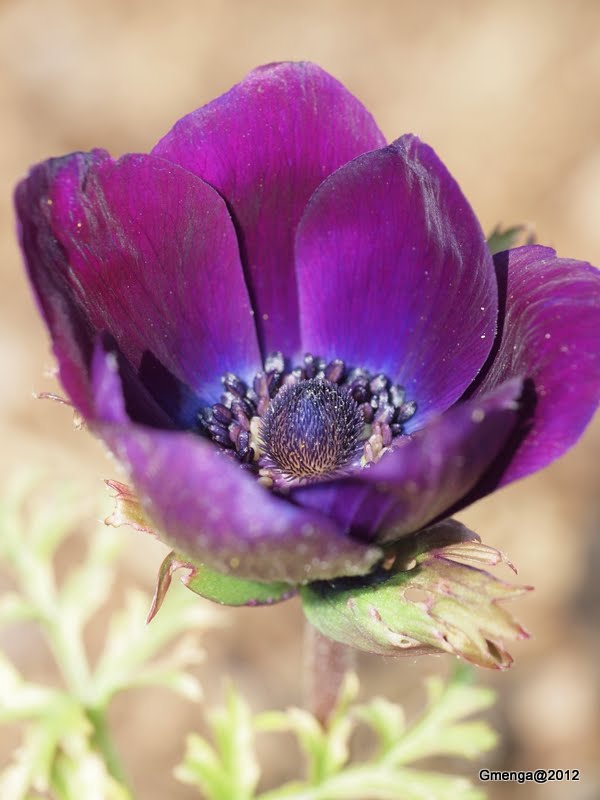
(265, 146)
(549, 332)
(209, 508)
(395, 274)
(425, 475)
(144, 250)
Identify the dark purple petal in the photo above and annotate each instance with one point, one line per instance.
(147, 252)
(265, 146)
(549, 332)
(425, 475)
(208, 507)
(395, 275)
(46, 262)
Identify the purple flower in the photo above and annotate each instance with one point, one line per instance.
(294, 336)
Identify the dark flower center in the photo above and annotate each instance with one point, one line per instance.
(307, 422)
(312, 428)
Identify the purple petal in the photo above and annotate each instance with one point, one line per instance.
(71, 332)
(208, 507)
(426, 474)
(549, 332)
(147, 252)
(395, 274)
(265, 146)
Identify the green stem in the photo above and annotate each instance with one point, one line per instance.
(327, 662)
(102, 741)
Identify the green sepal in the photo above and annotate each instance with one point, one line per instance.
(501, 239)
(424, 600)
(128, 509)
(226, 590)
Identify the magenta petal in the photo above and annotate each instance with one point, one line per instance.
(143, 250)
(208, 507)
(395, 274)
(265, 146)
(549, 333)
(426, 474)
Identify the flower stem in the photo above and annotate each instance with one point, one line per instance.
(326, 663)
(103, 743)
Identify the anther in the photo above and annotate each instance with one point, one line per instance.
(273, 383)
(385, 413)
(310, 366)
(397, 395)
(275, 362)
(359, 389)
(406, 411)
(243, 440)
(234, 384)
(378, 383)
(221, 413)
(367, 411)
(334, 371)
(241, 415)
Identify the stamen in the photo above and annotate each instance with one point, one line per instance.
(308, 421)
(234, 384)
(275, 362)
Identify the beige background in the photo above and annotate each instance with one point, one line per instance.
(508, 93)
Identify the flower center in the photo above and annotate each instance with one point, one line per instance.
(307, 422)
(312, 428)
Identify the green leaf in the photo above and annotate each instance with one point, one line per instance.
(78, 772)
(428, 600)
(386, 719)
(379, 784)
(201, 767)
(33, 762)
(85, 590)
(229, 768)
(14, 608)
(326, 748)
(171, 675)
(129, 657)
(21, 700)
(439, 731)
(66, 750)
(224, 589)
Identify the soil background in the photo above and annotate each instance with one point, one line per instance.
(507, 92)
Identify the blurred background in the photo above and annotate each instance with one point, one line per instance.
(508, 93)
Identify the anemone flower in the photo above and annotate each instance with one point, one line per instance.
(294, 337)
